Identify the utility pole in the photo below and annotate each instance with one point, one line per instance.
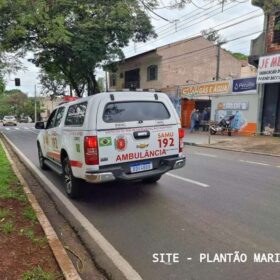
(106, 81)
(35, 105)
(218, 61)
(176, 22)
(218, 45)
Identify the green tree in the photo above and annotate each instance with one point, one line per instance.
(267, 5)
(72, 38)
(52, 83)
(15, 102)
(2, 85)
(239, 55)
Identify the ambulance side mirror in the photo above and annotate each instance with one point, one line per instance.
(40, 125)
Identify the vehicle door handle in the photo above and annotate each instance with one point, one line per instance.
(141, 134)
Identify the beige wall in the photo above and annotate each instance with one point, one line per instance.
(230, 67)
(181, 62)
(48, 105)
(248, 71)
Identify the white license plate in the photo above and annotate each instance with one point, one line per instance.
(141, 167)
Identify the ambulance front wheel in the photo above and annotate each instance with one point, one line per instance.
(72, 184)
(41, 159)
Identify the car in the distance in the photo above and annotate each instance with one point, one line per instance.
(25, 119)
(9, 120)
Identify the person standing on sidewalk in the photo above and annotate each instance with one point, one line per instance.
(194, 117)
(206, 118)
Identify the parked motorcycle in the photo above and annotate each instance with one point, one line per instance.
(224, 126)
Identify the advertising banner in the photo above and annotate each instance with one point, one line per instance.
(233, 106)
(269, 69)
(213, 88)
(248, 85)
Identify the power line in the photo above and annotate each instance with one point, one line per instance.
(153, 12)
(235, 39)
(192, 15)
(189, 20)
(228, 26)
(151, 42)
(197, 6)
(205, 54)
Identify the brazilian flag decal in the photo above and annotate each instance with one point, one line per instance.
(105, 141)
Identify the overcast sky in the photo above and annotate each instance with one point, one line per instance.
(181, 24)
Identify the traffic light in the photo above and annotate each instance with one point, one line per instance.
(17, 82)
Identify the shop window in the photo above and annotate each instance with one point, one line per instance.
(276, 32)
(121, 75)
(152, 73)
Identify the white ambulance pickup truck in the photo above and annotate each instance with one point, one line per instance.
(111, 136)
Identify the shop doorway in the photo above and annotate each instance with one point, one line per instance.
(271, 110)
(132, 79)
(187, 107)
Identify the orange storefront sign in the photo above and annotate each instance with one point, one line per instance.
(206, 89)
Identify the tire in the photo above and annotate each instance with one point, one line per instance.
(152, 179)
(72, 184)
(43, 166)
(212, 132)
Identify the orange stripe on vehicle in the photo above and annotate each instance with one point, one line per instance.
(76, 163)
(55, 155)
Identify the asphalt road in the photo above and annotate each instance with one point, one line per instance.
(221, 202)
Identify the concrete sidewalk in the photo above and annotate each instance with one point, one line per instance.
(253, 144)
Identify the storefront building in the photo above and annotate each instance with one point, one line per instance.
(224, 99)
(269, 78)
(265, 52)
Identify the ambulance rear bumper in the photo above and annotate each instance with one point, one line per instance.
(117, 172)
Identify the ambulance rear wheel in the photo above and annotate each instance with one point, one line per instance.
(152, 179)
(72, 184)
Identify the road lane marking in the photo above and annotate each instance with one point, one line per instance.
(7, 128)
(206, 155)
(255, 162)
(188, 180)
(27, 128)
(34, 132)
(118, 260)
(16, 128)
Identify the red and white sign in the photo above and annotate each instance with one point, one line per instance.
(269, 69)
(140, 155)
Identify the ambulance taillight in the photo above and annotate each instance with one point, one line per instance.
(181, 139)
(91, 150)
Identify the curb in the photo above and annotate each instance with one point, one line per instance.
(107, 257)
(230, 150)
(64, 262)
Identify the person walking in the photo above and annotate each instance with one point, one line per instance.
(206, 118)
(194, 117)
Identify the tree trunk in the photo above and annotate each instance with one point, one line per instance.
(92, 85)
(73, 83)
